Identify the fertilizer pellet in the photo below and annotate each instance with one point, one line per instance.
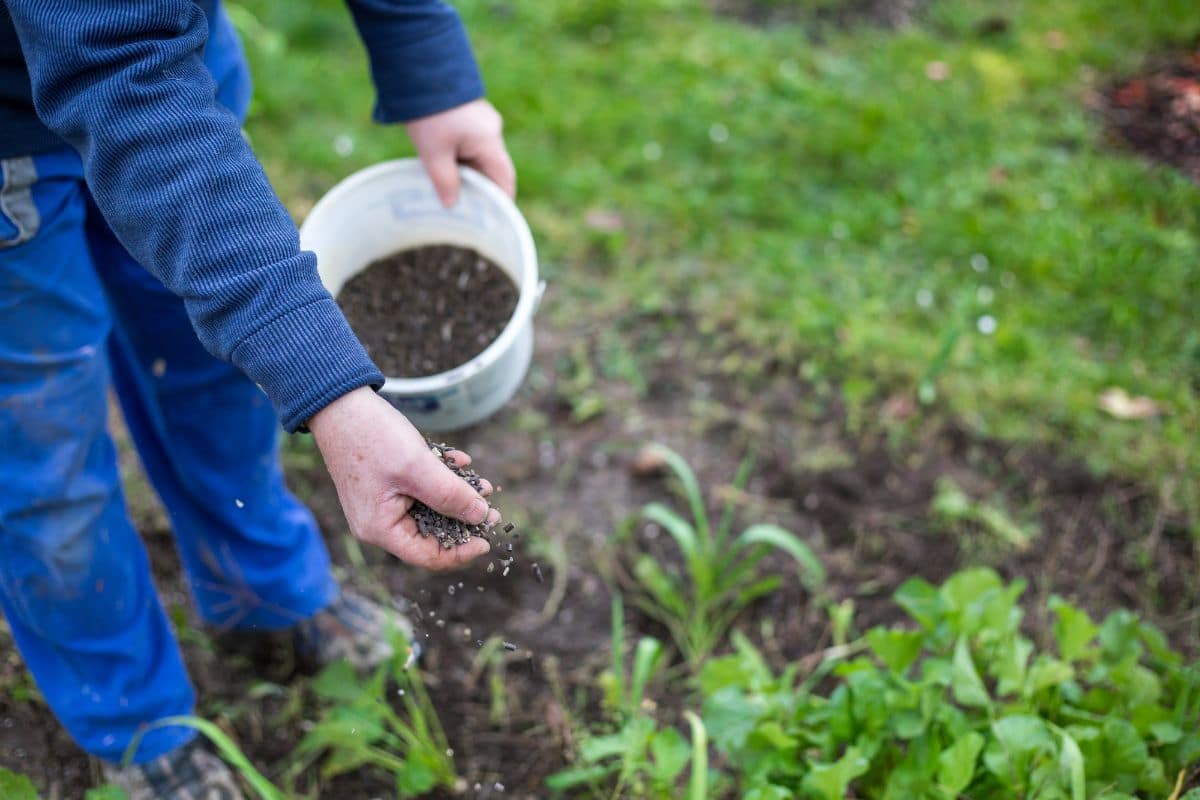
(448, 531)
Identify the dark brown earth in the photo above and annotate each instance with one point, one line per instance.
(1157, 113)
(456, 293)
(857, 485)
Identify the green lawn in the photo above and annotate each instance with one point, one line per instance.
(821, 193)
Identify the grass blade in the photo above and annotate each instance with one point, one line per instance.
(662, 587)
(618, 648)
(812, 572)
(226, 746)
(679, 528)
(691, 487)
(698, 781)
(740, 479)
(646, 659)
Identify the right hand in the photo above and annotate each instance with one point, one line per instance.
(380, 464)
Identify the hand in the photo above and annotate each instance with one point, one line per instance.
(468, 134)
(379, 464)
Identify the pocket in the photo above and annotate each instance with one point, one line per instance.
(19, 217)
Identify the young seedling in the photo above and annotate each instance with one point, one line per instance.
(363, 728)
(641, 758)
(720, 575)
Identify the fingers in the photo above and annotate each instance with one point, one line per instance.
(494, 162)
(442, 168)
(461, 460)
(446, 493)
(407, 544)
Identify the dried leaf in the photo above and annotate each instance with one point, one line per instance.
(1118, 403)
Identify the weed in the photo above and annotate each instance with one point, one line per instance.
(362, 729)
(490, 659)
(952, 506)
(720, 572)
(641, 758)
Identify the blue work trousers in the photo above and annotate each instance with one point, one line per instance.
(79, 316)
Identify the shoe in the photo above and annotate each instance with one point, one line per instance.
(354, 629)
(191, 772)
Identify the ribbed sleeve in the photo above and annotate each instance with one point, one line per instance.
(421, 60)
(125, 85)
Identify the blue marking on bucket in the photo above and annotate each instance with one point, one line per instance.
(405, 202)
(423, 404)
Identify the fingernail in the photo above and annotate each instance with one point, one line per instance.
(477, 511)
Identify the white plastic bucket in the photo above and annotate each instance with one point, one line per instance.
(392, 206)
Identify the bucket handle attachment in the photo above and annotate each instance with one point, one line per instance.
(537, 295)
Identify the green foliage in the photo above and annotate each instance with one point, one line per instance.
(361, 729)
(640, 757)
(720, 574)
(106, 792)
(14, 786)
(964, 704)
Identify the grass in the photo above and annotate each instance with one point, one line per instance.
(824, 196)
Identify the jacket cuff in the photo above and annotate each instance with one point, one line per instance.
(306, 359)
(416, 79)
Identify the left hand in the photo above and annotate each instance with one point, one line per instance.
(470, 134)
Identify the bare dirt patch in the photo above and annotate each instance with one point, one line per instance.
(1157, 112)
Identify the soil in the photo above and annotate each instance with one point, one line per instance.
(1157, 113)
(889, 14)
(395, 302)
(856, 485)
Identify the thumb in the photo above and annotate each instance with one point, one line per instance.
(443, 172)
(448, 494)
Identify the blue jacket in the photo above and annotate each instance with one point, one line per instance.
(127, 86)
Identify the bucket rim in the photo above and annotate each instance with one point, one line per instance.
(530, 288)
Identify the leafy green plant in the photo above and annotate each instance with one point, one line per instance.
(16, 786)
(964, 705)
(641, 758)
(362, 729)
(720, 574)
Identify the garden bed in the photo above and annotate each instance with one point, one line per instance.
(864, 495)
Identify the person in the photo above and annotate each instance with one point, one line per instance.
(143, 249)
